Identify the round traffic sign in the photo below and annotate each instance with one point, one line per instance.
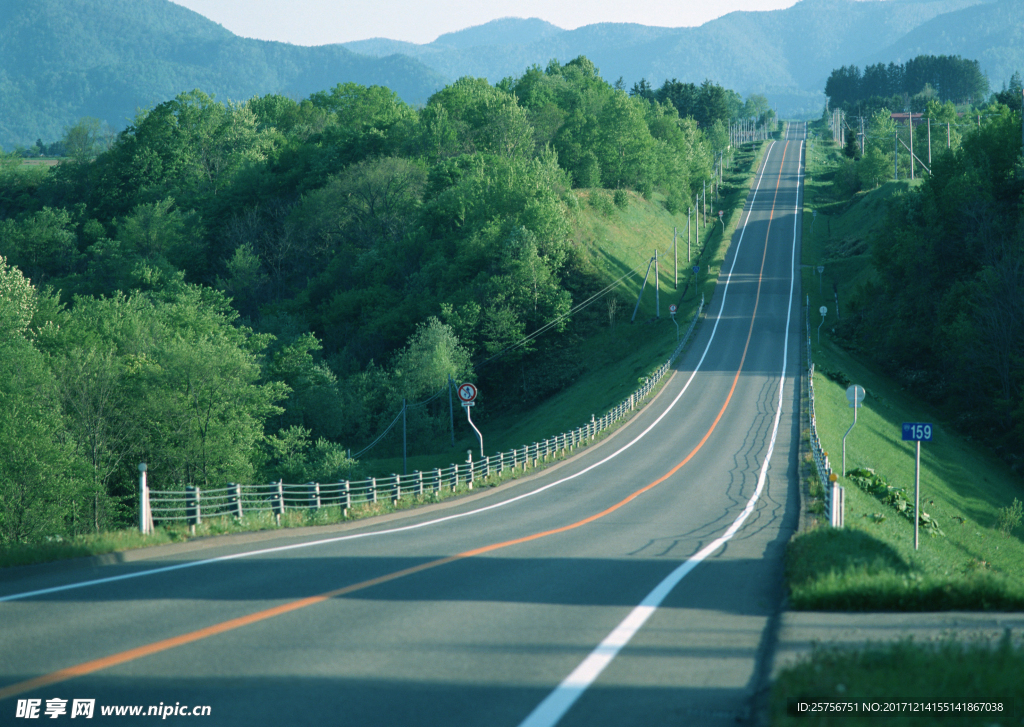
(696, 269)
(467, 392)
(823, 310)
(855, 395)
(821, 268)
(672, 308)
(721, 212)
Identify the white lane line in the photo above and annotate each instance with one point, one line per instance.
(405, 528)
(557, 703)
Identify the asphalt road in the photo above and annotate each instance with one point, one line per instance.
(636, 584)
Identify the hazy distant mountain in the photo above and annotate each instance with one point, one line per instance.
(64, 59)
(992, 34)
(786, 54)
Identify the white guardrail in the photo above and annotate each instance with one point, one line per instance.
(833, 493)
(192, 504)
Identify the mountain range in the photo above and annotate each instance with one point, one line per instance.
(61, 60)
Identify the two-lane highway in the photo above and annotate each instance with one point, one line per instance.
(637, 584)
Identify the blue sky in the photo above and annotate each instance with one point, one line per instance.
(318, 22)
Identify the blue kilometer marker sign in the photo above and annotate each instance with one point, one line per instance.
(917, 432)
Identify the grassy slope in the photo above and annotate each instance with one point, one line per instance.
(620, 356)
(872, 564)
(616, 240)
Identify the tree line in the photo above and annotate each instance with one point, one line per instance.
(245, 291)
(914, 83)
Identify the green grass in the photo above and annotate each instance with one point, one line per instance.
(949, 672)
(617, 238)
(872, 564)
(621, 356)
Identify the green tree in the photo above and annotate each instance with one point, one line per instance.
(41, 482)
(432, 355)
(82, 141)
(625, 147)
(482, 117)
(179, 370)
(42, 244)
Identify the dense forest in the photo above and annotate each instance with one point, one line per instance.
(911, 84)
(945, 312)
(245, 291)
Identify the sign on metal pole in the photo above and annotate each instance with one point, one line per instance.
(823, 311)
(467, 392)
(467, 395)
(917, 432)
(821, 269)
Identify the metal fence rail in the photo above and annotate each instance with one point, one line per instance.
(192, 504)
(833, 493)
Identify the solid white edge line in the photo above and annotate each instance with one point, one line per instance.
(405, 528)
(549, 712)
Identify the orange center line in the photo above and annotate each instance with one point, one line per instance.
(156, 647)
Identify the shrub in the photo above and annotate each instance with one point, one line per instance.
(1010, 517)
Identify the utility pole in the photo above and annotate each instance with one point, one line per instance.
(895, 155)
(657, 287)
(911, 145)
(696, 218)
(675, 255)
(929, 142)
(451, 407)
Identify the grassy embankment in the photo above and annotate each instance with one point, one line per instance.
(949, 683)
(871, 564)
(616, 239)
(977, 562)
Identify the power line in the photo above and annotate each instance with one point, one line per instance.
(549, 325)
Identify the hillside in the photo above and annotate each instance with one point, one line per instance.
(61, 60)
(330, 265)
(785, 53)
(992, 33)
(970, 553)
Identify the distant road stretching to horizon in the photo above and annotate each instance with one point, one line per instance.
(638, 583)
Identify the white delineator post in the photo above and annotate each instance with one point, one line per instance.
(145, 515)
